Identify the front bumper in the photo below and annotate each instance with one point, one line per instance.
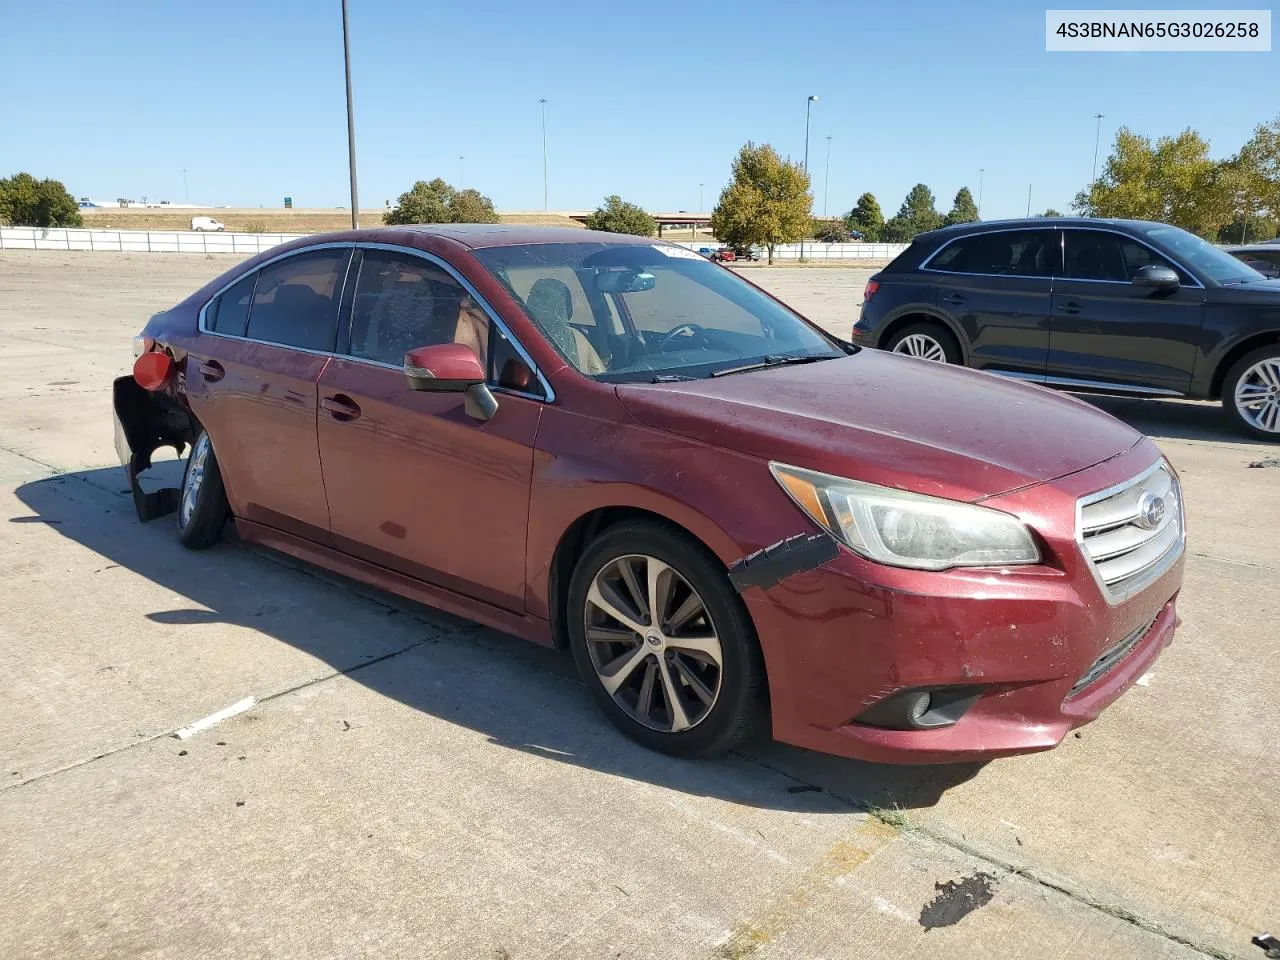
(851, 633)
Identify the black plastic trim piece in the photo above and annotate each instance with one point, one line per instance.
(768, 567)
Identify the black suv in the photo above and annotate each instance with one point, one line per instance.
(1100, 306)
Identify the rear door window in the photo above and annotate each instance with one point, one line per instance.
(1095, 255)
(228, 313)
(1007, 253)
(403, 302)
(295, 303)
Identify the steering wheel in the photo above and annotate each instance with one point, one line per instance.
(683, 330)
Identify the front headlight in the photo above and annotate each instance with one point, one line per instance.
(908, 529)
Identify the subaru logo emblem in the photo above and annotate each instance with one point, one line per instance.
(1150, 510)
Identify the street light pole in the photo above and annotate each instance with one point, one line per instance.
(351, 121)
(462, 172)
(186, 192)
(808, 104)
(981, 171)
(1028, 199)
(1097, 136)
(700, 210)
(545, 193)
(826, 180)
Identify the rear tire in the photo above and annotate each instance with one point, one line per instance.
(926, 340)
(690, 682)
(1251, 393)
(202, 506)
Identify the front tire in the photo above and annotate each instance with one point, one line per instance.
(1251, 393)
(926, 341)
(202, 507)
(664, 644)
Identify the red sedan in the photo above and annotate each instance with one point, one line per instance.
(729, 516)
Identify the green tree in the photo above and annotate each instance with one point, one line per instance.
(866, 218)
(830, 231)
(963, 209)
(471, 206)
(1049, 213)
(1250, 228)
(917, 213)
(28, 202)
(1172, 181)
(422, 203)
(766, 202)
(1257, 166)
(896, 230)
(615, 215)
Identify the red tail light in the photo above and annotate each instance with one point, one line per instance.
(872, 287)
(152, 370)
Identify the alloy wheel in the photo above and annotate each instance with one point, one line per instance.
(193, 479)
(1258, 395)
(653, 644)
(921, 345)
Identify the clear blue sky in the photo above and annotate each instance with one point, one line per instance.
(644, 99)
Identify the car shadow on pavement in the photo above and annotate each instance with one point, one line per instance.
(517, 694)
(1174, 419)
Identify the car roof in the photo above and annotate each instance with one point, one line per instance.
(477, 235)
(1253, 248)
(982, 226)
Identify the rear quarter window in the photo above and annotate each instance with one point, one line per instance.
(228, 312)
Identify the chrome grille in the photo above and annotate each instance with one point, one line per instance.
(1126, 543)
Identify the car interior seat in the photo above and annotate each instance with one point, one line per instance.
(550, 305)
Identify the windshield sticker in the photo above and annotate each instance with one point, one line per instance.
(680, 253)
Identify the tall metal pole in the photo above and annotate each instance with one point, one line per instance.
(351, 121)
(545, 192)
(981, 171)
(807, 105)
(826, 180)
(186, 192)
(1028, 199)
(462, 173)
(1097, 136)
(700, 210)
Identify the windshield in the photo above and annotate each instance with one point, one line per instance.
(1217, 265)
(636, 312)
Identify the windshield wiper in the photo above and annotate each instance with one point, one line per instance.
(772, 360)
(670, 378)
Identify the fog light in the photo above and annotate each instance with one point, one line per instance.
(920, 709)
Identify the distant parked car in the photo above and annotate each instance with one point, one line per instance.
(206, 223)
(724, 255)
(746, 253)
(1263, 257)
(1101, 306)
(707, 252)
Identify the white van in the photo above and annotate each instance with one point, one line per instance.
(206, 223)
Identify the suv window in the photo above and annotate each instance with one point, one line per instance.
(228, 313)
(1101, 255)
(1005, 253)
(296, 300)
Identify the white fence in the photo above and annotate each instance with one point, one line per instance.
(815, 250)
(190, 241)
(139, 241)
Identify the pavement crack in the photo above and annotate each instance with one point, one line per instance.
(267, 698)
(895, 818)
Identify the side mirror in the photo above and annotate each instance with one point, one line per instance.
(1155, 277)
(451, 368)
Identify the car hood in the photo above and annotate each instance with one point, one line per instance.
(897, 421)
(1262, 290)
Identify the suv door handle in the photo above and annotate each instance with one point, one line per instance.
(952, 298)
(341, 407)
(1070, 307)
(211, 370)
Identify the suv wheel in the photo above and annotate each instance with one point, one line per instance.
(928, 341)
(1251, 392)
(663, 643)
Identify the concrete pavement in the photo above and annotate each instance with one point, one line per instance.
(413, 786)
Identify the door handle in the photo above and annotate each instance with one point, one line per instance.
(1070, 307)
(952, 298)
(211, 370)
(341, 407)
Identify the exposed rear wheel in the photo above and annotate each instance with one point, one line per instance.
(1251, 392)
(663, 643)
(927, 341)
(202, 509)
